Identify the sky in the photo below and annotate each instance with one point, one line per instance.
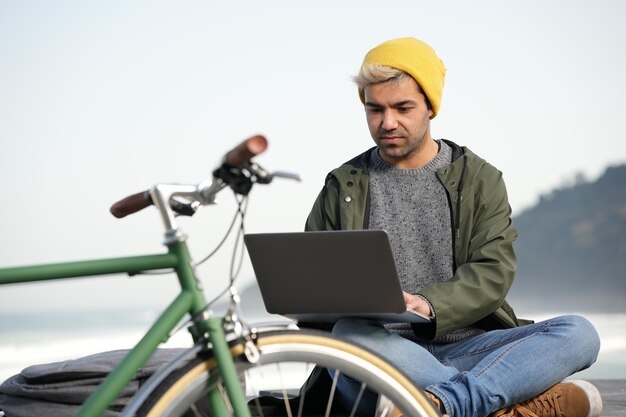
(99, 100)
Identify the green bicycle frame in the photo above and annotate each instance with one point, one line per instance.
(190, 300)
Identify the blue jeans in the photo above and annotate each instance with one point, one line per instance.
(479, 375)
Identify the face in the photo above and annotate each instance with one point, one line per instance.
(399, 121)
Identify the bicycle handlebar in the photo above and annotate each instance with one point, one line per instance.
(242, 154)
(237, 157)
(131, 204)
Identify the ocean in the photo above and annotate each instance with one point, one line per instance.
(34, 338)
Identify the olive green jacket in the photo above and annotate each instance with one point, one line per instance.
(483, 235)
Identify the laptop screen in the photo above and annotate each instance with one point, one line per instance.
(331, 272)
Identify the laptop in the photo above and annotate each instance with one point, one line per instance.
(326, 276)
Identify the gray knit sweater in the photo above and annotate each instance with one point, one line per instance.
(412, 206)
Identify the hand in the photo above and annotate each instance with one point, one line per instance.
(417, 303)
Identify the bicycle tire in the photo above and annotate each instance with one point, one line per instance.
(184, 393)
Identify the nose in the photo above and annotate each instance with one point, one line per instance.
(389, 121)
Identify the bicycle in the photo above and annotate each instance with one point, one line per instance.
(218, 375)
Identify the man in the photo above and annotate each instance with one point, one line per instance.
(447, 214)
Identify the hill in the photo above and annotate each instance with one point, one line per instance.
(572, 248)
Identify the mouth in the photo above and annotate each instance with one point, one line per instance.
(390, 139)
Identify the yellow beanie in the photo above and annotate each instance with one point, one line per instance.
(416, 59)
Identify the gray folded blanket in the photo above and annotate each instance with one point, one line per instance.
(58, 389)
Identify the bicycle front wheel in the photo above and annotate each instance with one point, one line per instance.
(292, 378)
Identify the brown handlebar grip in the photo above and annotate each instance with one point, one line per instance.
(131, 204)
(246, 150)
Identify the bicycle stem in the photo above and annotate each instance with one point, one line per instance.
(161, 194)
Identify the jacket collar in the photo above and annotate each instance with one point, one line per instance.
(362, 161)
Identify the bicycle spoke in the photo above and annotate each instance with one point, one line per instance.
(384, 407)
(358, 399)
(229, 406)
(195, 410)
(302, 395)
(249, 380)
(284, 389)
(331, 396)
(259, 409)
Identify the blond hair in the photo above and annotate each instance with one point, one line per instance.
(378, 74)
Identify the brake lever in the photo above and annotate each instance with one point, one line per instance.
(263, 176)
(287, 175)
(259, 174)
(184, 209)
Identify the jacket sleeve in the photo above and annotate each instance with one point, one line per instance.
(479, 285)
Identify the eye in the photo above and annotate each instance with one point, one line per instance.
(404, 109)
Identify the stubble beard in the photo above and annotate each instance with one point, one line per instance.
(408, 147)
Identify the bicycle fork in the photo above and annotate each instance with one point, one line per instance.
(228, 371)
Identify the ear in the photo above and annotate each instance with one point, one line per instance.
(430, 113)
